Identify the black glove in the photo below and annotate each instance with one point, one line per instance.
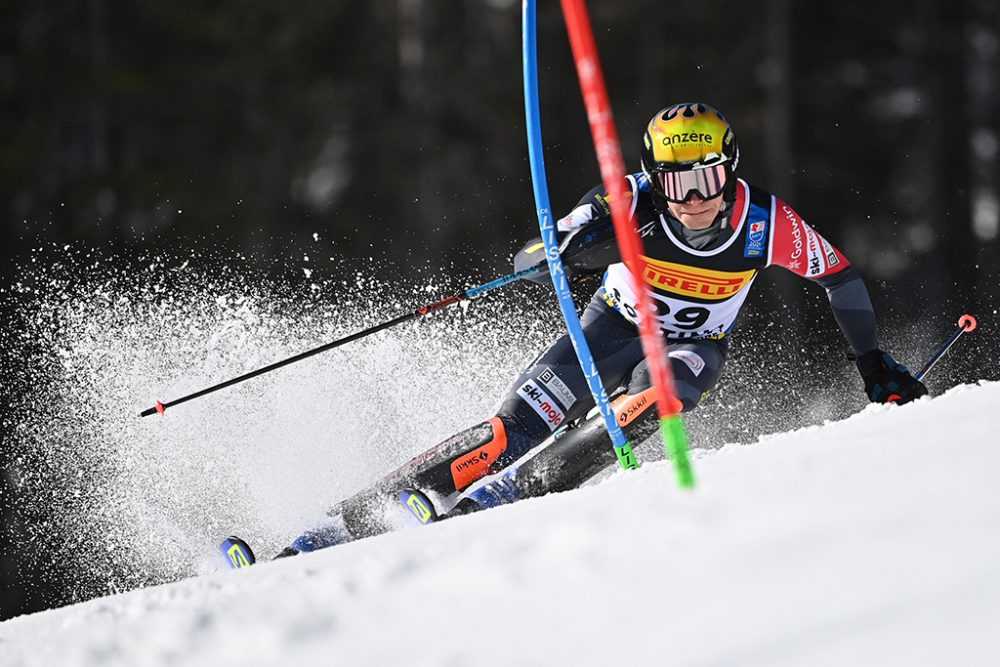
(584, 251)
(591, 248)
(886, 380)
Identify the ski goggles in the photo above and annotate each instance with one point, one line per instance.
(706, 182)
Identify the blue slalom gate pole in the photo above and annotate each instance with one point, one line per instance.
(547, 226)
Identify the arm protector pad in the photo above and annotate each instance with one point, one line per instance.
(589, 249)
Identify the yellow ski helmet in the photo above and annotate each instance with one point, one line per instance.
(690, 148)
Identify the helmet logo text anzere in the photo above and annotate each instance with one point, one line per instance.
(687, 137)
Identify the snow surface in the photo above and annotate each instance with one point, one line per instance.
(869, 541)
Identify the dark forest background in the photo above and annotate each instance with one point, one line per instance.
(396, 128)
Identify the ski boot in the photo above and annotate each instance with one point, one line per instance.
(501, 491)
(328, 535)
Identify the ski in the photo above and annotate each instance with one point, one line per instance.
(238, 553)
(419, 506)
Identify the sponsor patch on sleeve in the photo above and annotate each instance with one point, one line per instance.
(816, 260)
(756, 244)
(558, 388)
(578, 217)
(693, 360)
(831, 255)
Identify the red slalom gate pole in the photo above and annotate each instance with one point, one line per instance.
(609, 155)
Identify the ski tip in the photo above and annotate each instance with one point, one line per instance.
(419, 505)
(237, 552)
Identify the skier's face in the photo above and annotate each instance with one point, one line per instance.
(697, 213)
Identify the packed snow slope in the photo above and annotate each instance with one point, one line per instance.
(870, 541)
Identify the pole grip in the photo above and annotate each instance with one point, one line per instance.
(966, 323)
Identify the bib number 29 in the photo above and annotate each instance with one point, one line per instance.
(691, 317)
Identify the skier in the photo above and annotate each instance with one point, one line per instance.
(706, 234)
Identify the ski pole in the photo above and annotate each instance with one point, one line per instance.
(571, 246)
(966, 323)
(423, 310)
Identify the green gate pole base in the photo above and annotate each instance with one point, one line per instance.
(626, 457)
(676, 445)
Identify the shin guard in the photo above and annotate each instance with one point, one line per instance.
(439, 473)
